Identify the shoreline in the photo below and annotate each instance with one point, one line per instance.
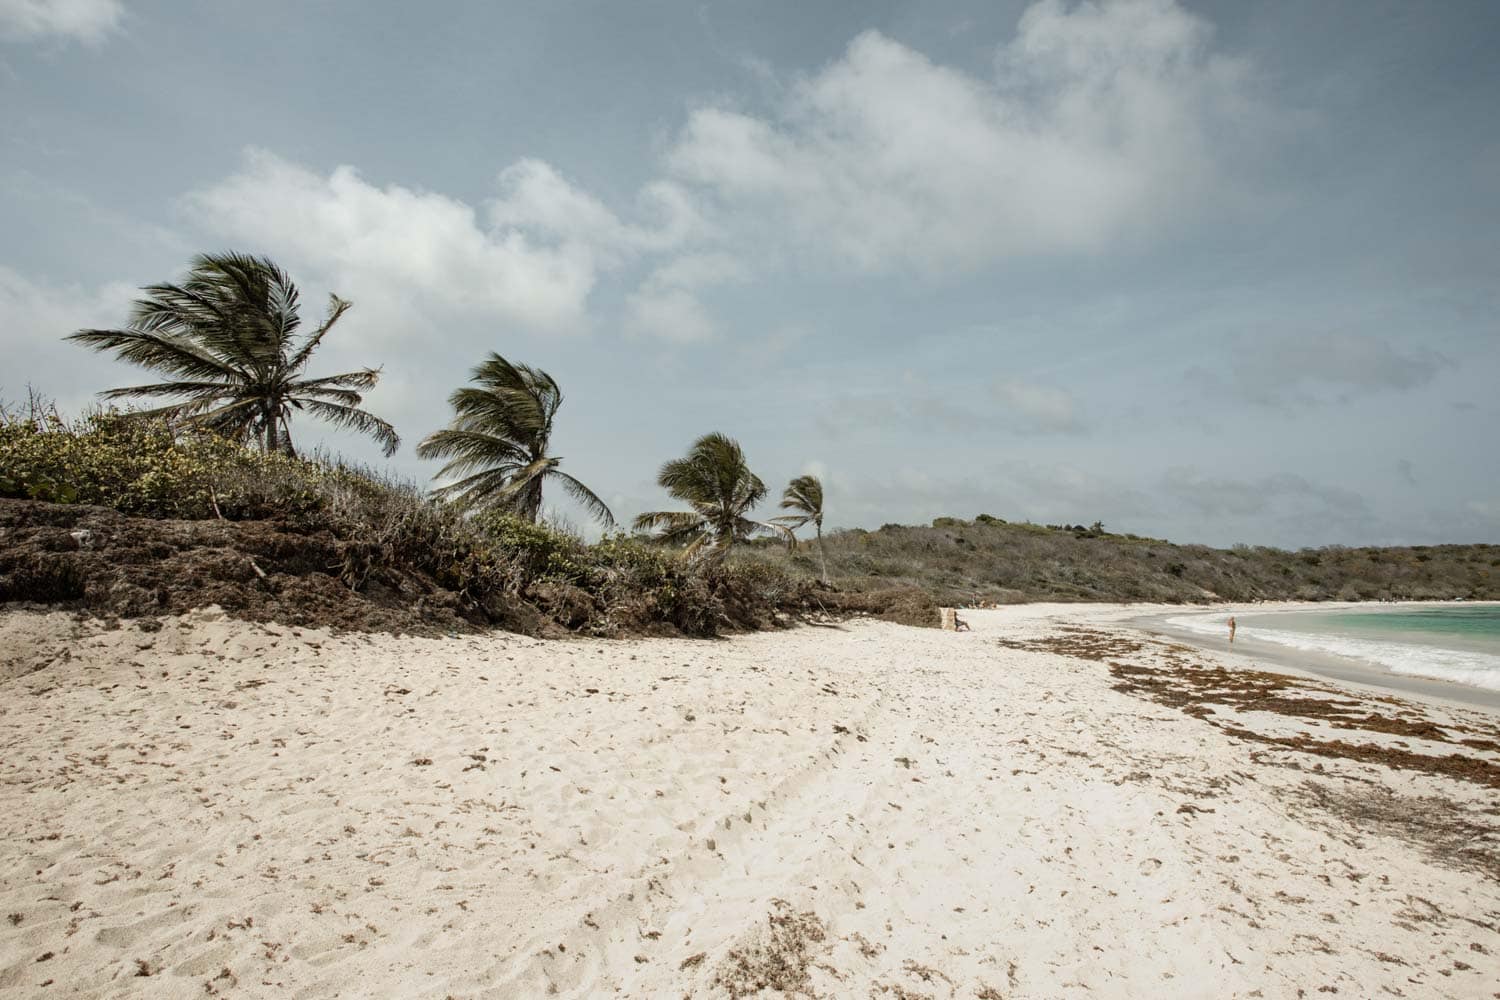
(1358, 673)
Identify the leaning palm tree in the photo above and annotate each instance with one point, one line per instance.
(498, 442)
(226, 338)
(805, 496)
(714, 481)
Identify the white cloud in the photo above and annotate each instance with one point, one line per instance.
(534, 262)
(33, 320)
(667, 305)
(1097, 122)
(1102, 120)
(87, 21)
(669, 313)
(699, 270)
(1040, 407)
(536, 198)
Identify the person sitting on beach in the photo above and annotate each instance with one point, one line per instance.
(959, 625)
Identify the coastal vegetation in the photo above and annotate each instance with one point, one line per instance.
(989, 560)
(130, 515)
(716, 483)
(203, 499)
(499, 442)
(226, 338)
(133, 516)
(804, 495)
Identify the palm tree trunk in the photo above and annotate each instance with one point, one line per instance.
(532, 505)
(822, 559)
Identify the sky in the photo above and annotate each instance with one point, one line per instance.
(1216, 272)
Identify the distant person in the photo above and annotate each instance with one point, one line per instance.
(1231, 629)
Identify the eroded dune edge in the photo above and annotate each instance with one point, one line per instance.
(1050, 805)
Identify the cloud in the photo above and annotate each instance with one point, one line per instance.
(667, 304)
(1488, 510)
(1238, 498)
(1040, 407)
(535, 198)
(86, 21)
(669, 313)
(1046, 492)
(1100, 120)
(533, 262)
(33, 320)
(909, 406)
(1302, 369)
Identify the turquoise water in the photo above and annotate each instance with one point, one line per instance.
(1469, 627)
(1451, 642)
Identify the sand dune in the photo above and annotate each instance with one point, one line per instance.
(224, 808)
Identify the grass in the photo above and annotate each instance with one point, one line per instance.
(988, 560)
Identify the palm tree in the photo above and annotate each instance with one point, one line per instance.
(227, 340)
(805, 496)
(498, 441)
(716, 483)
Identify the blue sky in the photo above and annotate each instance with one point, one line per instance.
(1217, 272)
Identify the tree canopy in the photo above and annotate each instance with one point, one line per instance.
(719, 489)
(227, 338)
(499, 439)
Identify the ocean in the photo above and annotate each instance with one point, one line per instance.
(1450, 642)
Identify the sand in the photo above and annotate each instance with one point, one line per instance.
(220, 808)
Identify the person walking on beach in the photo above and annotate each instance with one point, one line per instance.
(1231, 629)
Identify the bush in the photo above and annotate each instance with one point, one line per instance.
(377, 529)
(140, 466)
(534, 551)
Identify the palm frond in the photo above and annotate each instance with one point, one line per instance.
(476, 490)
(336, 308)
(668, 521)
(500, 434)
(805, 493)
(225, 337)
(715, 481)
(585, 497)
(216, 390)
(469, 450)
(163, 352)
(362, 380)
(358, 420)
(785, 532)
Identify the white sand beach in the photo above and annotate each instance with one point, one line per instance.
(1051, 805)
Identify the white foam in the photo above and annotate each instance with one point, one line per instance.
(1458, 666)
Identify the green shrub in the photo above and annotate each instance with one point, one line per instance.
(535, 551)
(140, 466)
(381, 528)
